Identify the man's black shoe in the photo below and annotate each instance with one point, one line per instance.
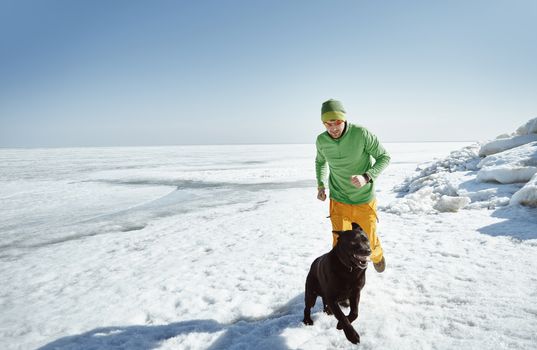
(380, 266)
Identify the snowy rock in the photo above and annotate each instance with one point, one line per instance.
(510, 166)
(523, 134)
(529, 128)
(440, 183)
(525, 155)
(489, 175)
(527, 195)
(421, 201)
(465, 159)
(503, 136)
(426, 200)
(500, 145)
(451, 204)
(487, 195)
(506, 174)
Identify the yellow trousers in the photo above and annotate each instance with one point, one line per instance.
(365, 215)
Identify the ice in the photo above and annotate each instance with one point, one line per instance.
(477, 176)
(511, 166)
(529, 128)
(524, 155)
(524, 134)
(504, 144)
(506, 174)
(451, 204)
(527, 195)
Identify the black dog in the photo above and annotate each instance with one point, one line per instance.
(337, 276)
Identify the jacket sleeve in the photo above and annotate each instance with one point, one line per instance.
(320, 167)
(377, 151)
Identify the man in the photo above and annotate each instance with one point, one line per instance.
(349, 149)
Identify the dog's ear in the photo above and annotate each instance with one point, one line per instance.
(356, 227)
(337, 232)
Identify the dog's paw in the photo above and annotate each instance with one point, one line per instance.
(308, 322)
(352, 335)
(339, 325)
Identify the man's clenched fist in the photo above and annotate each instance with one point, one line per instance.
(359, 180)
(321, 195)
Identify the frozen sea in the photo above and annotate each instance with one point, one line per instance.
(208, 247)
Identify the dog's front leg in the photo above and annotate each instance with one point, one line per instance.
(355, 301)
(309, 301)
(355, 298)
(349, 330)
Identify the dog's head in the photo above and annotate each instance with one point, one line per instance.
(352, 247)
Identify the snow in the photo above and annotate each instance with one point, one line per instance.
(529, 128)
(208, 247)
(524, 134)
(527, 195)
(477, 176)
(510, 166)
(503, 144)
(449, 203)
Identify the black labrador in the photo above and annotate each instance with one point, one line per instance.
(339, 275)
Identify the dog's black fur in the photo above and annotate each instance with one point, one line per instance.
(337, 276)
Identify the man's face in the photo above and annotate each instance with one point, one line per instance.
(335, 128)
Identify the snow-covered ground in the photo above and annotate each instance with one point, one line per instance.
(208, 248)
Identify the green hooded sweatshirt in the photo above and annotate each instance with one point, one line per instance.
(350, 154)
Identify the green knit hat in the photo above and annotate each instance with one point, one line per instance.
(332, 110)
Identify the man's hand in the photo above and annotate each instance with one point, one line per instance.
(359, 180)
(321, 195)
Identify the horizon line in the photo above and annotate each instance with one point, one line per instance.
(206, 144)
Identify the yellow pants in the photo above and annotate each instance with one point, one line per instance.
(365, 215)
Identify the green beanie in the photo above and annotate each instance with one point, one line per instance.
(332, 110)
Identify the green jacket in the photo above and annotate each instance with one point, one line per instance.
(349, 155)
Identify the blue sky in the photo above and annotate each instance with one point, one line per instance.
(127, 73)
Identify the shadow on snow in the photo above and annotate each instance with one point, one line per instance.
(521, 223)
(260, 333)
